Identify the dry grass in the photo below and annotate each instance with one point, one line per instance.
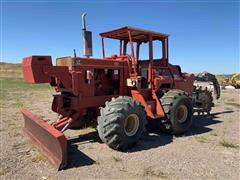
(38, 157)
(201, 139)
(116, 159)
(149, 171)
(228, 144)
(236, 105)
(16, 134)
(19, 145)
(97, 162)
(17, 84)
(10, 70)
(3, 171)
(214, 133)
(228, 109)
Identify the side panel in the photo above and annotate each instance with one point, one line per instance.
(93, 83)
(32, 69)
(185, 83)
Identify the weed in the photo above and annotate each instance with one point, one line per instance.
(47, 178)
(231, 99)
(214, 133)
(20, 145)
(90, 147)
(17, 134)
(18, 103)
(201, 139)
(38, 157)
(236, 105)
(12, 125)
(123, 170)
(116, 159)
(228, 109)
(97, 162)
(217, 105)
(227, 144)
(150, 172)
(3, 171)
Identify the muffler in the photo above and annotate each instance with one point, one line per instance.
(86, 38)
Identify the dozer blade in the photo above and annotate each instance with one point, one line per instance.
(51, 142)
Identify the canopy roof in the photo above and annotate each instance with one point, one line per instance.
(138, 35)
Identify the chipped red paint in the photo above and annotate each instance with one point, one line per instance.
(51, 142)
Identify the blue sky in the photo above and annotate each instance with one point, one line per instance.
(203, 35)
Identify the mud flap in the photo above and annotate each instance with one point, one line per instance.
(51, 142)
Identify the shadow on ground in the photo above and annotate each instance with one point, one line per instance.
(155, 137)
(151, 139)
(200, 123)
(76, 158)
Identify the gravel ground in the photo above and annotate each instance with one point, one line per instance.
(209, 150)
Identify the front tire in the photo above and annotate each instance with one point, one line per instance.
(178, 109)
(121, 122)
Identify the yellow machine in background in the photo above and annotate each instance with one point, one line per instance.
(234, 80)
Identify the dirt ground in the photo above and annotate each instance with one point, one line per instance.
(209, 150)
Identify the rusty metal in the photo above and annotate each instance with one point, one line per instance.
(51, 142)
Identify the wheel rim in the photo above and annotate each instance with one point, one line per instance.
(182, 113)
(131, 124)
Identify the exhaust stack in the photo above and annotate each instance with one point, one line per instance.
(86, 38)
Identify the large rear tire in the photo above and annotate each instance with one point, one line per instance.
(178, 109)
(121, 122)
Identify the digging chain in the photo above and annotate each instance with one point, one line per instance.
(202, 100)
(208, 77)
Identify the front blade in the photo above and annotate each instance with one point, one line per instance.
(51, 142)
